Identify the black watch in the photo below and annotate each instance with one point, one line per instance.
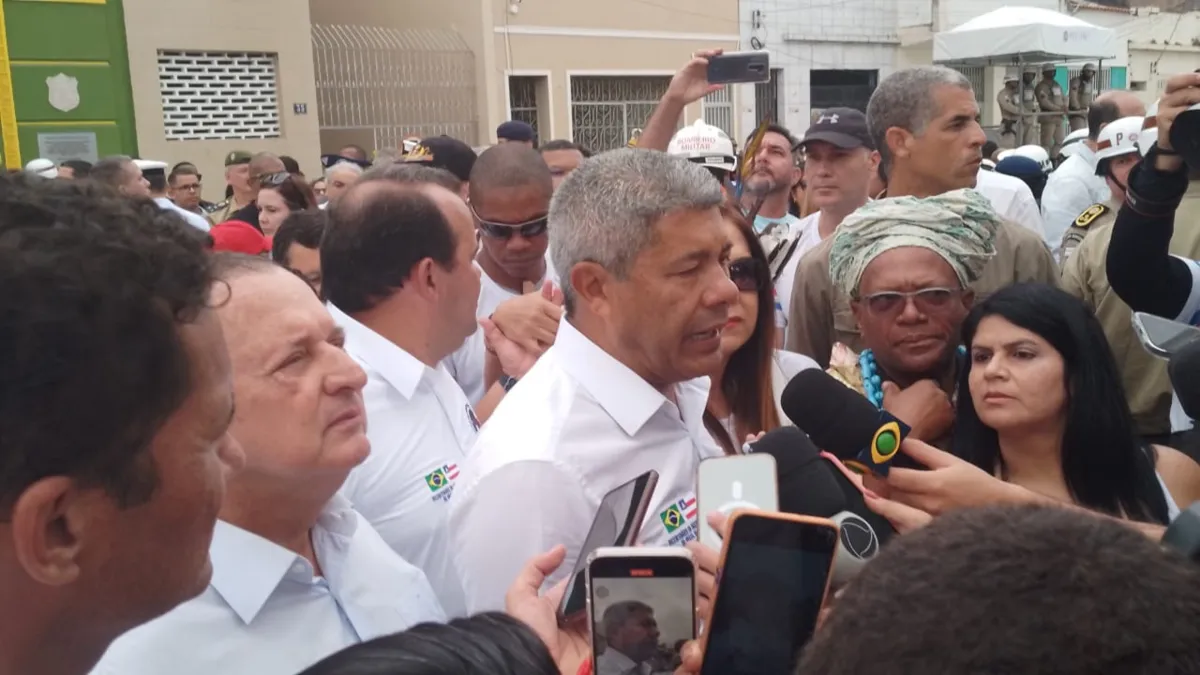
(508, 382)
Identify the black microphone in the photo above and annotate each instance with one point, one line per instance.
(810, 485)
(840, 421)
(1184, 369)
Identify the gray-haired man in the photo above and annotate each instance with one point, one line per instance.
(640, 245)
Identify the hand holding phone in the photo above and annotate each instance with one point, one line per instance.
(739, 67)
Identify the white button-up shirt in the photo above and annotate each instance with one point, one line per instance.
(194, 219)
(466, 364)
(1012, 199)
(579, 424)
(265, 613)
(421, 428)
(1072, 188)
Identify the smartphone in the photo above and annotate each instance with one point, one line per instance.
(641, 608)
(727, 484)
(739, 67)
(1163, 337)
(775, 571)
(617, 523)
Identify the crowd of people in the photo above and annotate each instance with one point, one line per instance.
(361, 424)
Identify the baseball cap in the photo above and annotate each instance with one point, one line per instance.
(46, 168)
(238, 157)
(330, 161)
(844, 127)
(515, 130)
(238, 236)
(1019, 166)
(443, 152)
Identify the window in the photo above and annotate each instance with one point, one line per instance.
(841, 88)
(219, 95)
(523, 101)
(766, 97)
(605, 111)
(718, 110)
(975, 75)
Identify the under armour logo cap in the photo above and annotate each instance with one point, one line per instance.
(845, 128)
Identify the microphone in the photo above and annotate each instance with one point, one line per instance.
(811, 485)
(1184, 370)
(844, 423)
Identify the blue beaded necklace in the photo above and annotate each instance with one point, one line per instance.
(872, 382)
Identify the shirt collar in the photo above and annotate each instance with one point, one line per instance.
(622, 393)
(248, 568)
(401, 369)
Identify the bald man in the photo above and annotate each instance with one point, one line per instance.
(261, 165)
(1074, 186)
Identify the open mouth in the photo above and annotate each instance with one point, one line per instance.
(711, 334)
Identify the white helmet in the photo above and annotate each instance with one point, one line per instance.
(1038, 154)
(1116, 139)
(1149, 129)
(1004, 153)
(1073, 143)
(704, 144)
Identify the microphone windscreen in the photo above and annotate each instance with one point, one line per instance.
(805, 483)
(1184, 369)
(837, 418)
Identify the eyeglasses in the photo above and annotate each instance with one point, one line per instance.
(194, 187)
(273, 179)
(527, 229)
(748, 274)
(926, 300)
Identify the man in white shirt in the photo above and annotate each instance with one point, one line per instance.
(510, 192)
(114, 409)
(297, 573)
(397, 269)
(640, 244)
(774, 173)
(155, 174)
(1074, 185)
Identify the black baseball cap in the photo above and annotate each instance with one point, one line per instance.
(845, 128)
(444, 152)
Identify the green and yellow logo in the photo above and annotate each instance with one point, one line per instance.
(436, 480)
(672, 519)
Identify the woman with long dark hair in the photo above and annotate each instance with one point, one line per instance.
(1041, 405)
(279, 195)
(744, 397)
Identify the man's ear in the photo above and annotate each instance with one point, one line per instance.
(593, 287)
(423, 278)
(968, 299)
(50, 523)
(897, 140)
(856, 309)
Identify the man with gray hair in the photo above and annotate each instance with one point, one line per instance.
(339, 178)
(924, 122)
(631, 635)
(638, 240)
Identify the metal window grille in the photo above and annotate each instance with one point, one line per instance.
(1102, 81)
(522, 97)
(975, 75)
(218, 95)
(766, 97)
(718, 110)
(394, 83)
(605, 111)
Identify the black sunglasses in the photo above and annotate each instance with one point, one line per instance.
(748, 274)
(527, 229)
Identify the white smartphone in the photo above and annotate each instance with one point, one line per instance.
(1163, 337)
(733, 483)
(641, 607)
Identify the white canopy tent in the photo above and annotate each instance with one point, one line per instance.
(1017, 35)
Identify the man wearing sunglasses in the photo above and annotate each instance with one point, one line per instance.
(510, 190)
(262, 165)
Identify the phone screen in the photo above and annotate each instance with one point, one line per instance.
(617, 523)
(643, 613)
(1164, 337)
(772, 585)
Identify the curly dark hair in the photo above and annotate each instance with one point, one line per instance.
(96, 287)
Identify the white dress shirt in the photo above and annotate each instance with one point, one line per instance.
(579, 424)
(1072, 188)
(1012, 199)
(466, 364)
(266, 613)
(194, 219)
(421, 428)
(808, 237)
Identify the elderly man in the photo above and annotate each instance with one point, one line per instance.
(115, 404)
(237, 180)
(924, 123)
(339, 178)
(639, 241)
(297, 573)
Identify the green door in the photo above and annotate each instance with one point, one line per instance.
(64, 81)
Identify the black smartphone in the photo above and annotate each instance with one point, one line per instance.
(642, 608)
(617, 523)
(739, 67)
(775, 573)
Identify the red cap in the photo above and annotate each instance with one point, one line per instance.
(237, 236)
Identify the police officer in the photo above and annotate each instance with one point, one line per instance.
(1053, 105)
(1117, 150)
(237, 177)
(1083, 90)
(1029, 106)
(1008, 100)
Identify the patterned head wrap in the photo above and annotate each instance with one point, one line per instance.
(959, 226)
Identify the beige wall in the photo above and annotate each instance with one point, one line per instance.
(682, 16)
(280, 26)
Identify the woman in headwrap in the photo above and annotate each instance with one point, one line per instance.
(906, 264)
